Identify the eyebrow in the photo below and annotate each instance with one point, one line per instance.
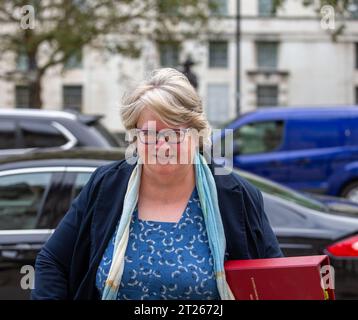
(164, 129)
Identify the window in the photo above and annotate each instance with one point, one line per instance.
(267, 55)
(81, 180)
(36, 134)
(169, 54)
(267, 96)
(282, 192)
(74, 61)
(356, 95)
(265, 8)
(282, 217)
(72, 97)
(259, 137)
(21, 197)
(22, 62)
(219, 7)
(7, 134)
(105, 134)
(218, 103)
(356, 55)
(218, 54)
(22, 96)
(353, 9)
(169, 7)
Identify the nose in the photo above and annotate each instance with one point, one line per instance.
(161, 140)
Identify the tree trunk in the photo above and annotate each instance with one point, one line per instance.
(35, 78)
(35, 100)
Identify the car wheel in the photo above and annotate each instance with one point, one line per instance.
(351, 191)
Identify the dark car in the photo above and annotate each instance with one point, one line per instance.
(312, 149)
(26, 130)
(36, 191)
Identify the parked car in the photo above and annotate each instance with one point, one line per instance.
(36, 191)
(26, 130)
(308, 149)
(326, 204)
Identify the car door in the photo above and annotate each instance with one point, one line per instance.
(62, 195)
(23, 195)
(298, 234)
(317, 151)
(259, 149)
(9, 138)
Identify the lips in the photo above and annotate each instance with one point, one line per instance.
(164, 158)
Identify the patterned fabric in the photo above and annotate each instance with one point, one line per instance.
(165, 260)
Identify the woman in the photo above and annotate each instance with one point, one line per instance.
(158, 225)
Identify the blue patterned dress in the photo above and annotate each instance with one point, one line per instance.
(165, 260)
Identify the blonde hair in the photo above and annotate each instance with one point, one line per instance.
(169, 94)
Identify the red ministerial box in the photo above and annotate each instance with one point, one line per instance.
(293, 278)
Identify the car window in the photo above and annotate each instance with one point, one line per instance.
(281, 216)
(7, 134)
(111, 138)
(259, 137)
(21, 196)
(80, 181)
(283, 192)
(37, 134)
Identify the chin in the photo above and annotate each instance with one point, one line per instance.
(164, 169)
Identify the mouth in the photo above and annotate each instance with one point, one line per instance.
(165, 158)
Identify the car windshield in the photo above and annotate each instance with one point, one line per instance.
(283, 192)
(109, 137)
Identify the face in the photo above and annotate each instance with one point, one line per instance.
(164, 157)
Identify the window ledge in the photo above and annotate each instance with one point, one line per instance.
(268, 72)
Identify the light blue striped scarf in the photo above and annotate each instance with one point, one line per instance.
(206, 187)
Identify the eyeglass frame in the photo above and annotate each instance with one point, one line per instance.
(161, 133)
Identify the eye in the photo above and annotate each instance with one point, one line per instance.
(171, 136)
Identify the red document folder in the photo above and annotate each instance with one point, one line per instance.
(293, 278)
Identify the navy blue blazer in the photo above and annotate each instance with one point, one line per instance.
(67, 264)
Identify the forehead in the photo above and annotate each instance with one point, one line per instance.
(148, 118)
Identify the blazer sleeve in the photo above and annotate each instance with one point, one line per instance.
(271, 245)
(53, 261)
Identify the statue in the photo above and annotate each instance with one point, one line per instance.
(188, 63)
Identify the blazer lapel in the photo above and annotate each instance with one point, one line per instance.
(233, 214)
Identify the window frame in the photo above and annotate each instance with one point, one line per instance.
(74, 61)
(264, 13)
(173, 45)
(278, 146)
(23, 171)
(21, 87)
(220, 8)
(67, 134)
(225, 86)
(259, 46)
(68, 106)
(268, 86)
(211, 59)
